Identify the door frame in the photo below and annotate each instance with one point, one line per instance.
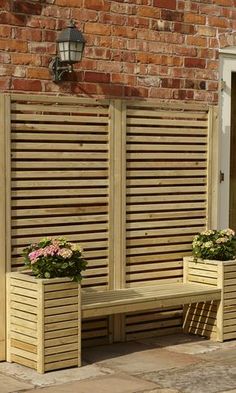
(227, 66)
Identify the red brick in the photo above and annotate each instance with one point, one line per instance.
(105, 42)
(225, 3)
(26, 58)
(5, 83)
(84, 15)
(195, 19)
(169, 4)
(218, 22)
(70, 3)
(111, 66)
(40, 47)
(123, 31)
(27, 7)
(123, 79)
(184, 28)
(38, 73)
(5, 31)
(160, 93)
(43, 23)
(110, 90)
(136, 91)
(138, 22)
(12, 19)
(170, 83)
(5, 5)
(96, 77)
(149, 12)
(187, 51)
(5, 58)
(172, 15)
(113, 19)
(209, 10)
(212, 86)
(97, 28)
(100, 53)
(13, 45)
(26, 85)
(197, 41)
(49, 35)
(98, 5)
(206, 31)
(27, 34)
(183, 94)
(194, 62)
(119, 8)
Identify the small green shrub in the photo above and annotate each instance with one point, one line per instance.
(55, 257)
(215, 244)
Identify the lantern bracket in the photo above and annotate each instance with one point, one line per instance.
(58, 69)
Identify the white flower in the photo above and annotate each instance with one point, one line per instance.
(208, 244)
(76, 247)
(208, 232)
(221, 240)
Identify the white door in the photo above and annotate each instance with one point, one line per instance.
(227, 137)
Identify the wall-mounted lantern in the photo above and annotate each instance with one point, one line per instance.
(70, 47)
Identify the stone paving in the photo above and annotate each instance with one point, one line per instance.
(171, 364)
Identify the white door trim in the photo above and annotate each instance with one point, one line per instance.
(227, 66)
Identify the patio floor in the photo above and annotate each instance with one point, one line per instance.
(170, 364)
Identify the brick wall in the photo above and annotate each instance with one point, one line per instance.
(135, 48)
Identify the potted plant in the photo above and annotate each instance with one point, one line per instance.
(213, 263)
(44, 306)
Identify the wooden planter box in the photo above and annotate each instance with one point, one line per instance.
(43, 322)
(216, 320)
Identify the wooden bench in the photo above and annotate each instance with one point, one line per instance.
(44, 316)
(96, 303)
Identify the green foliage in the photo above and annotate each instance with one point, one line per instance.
(55, 258)
(215, 245)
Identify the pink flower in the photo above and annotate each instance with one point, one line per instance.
(34, 255)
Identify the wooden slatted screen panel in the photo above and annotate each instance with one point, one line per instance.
(74, 159)
(166, 200)
(60, 177)
(60, 180)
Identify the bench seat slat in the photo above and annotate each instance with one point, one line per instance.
(95, 303)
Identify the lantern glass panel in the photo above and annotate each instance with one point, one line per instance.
(64, 51)
(76, 49)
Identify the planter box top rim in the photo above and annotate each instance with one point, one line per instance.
(29, 277)
(209, 261)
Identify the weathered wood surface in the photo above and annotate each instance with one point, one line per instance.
(126, 179)
(44, 328)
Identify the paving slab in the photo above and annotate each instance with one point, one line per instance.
(138, 362)
(223, 355)
(107, 384)
(54, 377)
(189, 344)
(199, 378)
(229, 391)
(10, 385)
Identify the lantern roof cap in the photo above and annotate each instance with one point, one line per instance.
(71, 34)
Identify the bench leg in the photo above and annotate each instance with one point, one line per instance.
(118, 328)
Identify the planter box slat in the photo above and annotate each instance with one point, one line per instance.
(220, 325)
(60, 341)
(61, 333)
(24, 361)
(44, 332)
